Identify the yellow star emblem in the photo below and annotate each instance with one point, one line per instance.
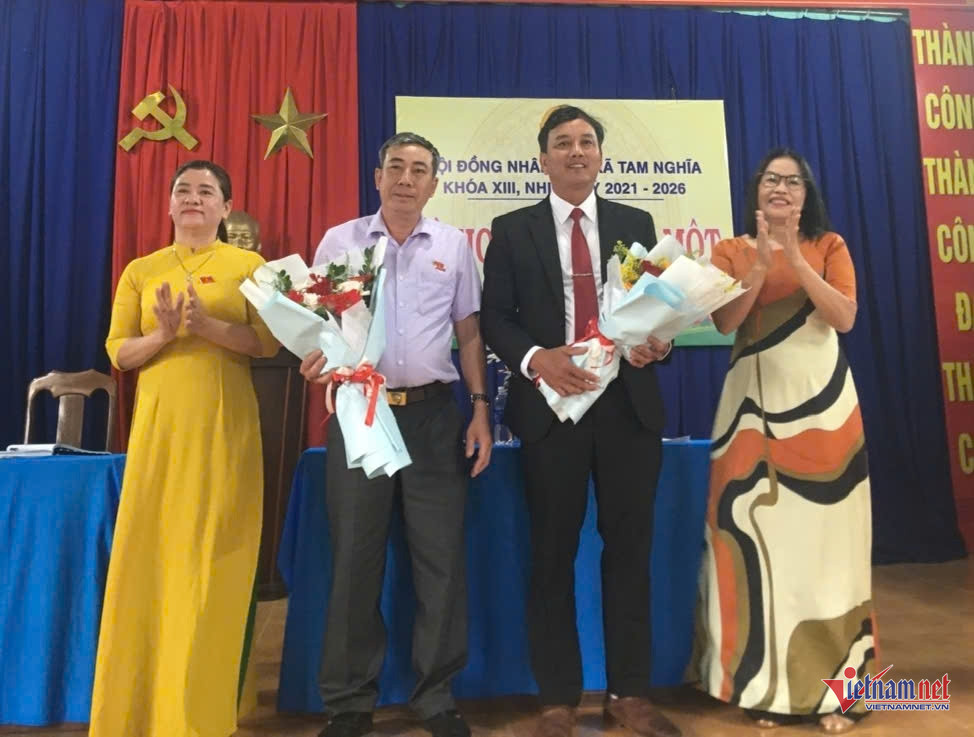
(288, 126)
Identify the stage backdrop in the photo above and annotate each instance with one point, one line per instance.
(228, 62)
(58, 94)
(839, 91)
(668, 157)
(943, 54)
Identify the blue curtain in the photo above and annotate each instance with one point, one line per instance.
(841, 92)
(59, 66)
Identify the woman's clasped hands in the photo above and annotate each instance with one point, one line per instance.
(186, 307)
(788, 239)
(169, 312)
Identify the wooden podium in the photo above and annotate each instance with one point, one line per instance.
(281, 397)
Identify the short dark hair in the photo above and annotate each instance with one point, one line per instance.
(566, 114)
(407, 138)
(814, 220)
(222, 178)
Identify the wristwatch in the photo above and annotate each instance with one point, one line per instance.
(479, 398)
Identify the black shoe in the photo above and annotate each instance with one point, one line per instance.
(447, 724)
(348, 724)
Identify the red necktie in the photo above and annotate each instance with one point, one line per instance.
(583, 280)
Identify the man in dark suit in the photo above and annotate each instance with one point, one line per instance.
(540, 292)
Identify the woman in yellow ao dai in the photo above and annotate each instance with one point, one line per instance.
(174, 629)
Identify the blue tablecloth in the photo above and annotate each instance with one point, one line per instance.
(497, 576)
(57, 517)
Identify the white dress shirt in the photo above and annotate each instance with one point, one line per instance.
(561, 211)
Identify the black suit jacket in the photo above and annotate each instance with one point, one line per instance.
(523, 306)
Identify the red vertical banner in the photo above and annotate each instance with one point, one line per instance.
(943, 57)
(193, 75)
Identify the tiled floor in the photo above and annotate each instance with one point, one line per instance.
(926, 621)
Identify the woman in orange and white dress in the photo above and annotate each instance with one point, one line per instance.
(786, 581)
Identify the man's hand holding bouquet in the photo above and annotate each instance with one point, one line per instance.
(649, 297)
(337, 311)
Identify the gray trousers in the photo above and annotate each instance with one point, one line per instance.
(433, 491)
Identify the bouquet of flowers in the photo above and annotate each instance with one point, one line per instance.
(635, 260)
(338, 308)
(329, 293)
(659, 292)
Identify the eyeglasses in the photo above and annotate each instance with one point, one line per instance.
(771, 179)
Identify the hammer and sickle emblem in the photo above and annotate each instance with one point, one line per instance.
(171, 127)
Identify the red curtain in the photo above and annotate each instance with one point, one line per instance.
(227, 61)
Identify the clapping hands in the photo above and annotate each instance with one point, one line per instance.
(197, 318)
(789, 244)
(186, 308)
(169, 313)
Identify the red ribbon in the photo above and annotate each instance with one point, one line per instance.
(366, 375)
(592, 331)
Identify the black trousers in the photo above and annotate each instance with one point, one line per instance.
(624, 457)
(433, 493)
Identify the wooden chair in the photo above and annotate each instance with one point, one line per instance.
(71, 390)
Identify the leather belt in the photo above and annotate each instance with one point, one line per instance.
(409, 395)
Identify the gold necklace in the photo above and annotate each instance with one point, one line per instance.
(189, 274)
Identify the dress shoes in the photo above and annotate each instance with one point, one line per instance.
(448, 723)
(348, 724)
(555, 721)
(637, 714)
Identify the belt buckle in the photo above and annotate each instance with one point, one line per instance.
(396, 399)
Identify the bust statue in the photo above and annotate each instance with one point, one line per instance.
(243, 231)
